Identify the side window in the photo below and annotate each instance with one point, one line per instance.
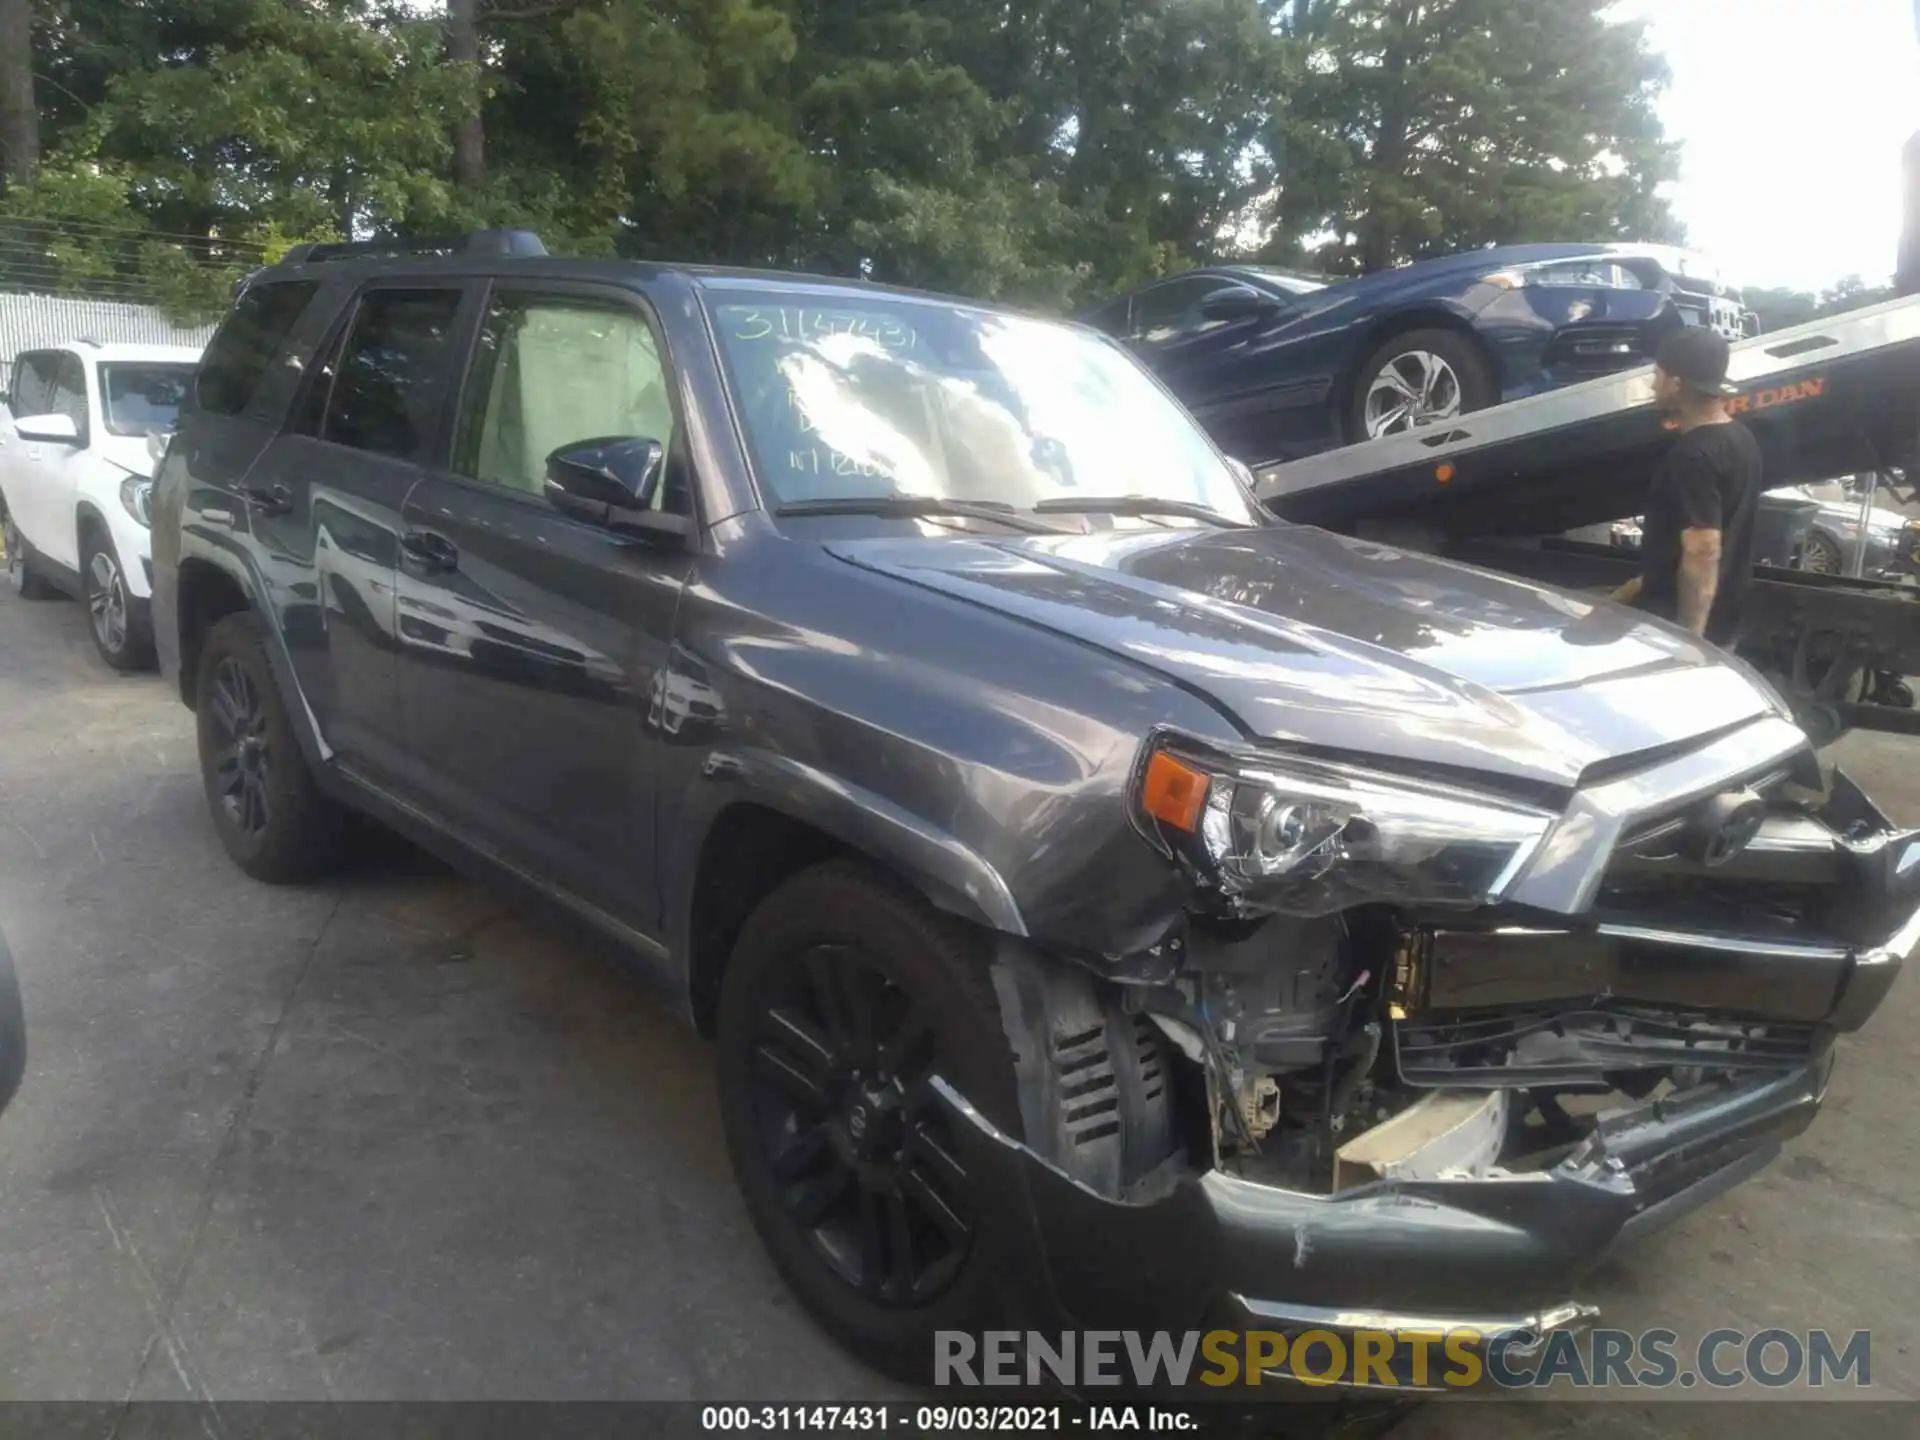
(1172, 311)
(310, 408)
(392, 372)
(33, 376)
(246, 343)
(70, 391)
(550, 370)
(1112, 317)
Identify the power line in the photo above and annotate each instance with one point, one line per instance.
(131, 233)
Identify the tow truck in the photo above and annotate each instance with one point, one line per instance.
(1501, 488)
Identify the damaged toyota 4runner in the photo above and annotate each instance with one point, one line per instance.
(1111, 906)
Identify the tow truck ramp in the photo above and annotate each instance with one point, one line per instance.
(1500, 487)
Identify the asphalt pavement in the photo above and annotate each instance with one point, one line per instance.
(386, 1138)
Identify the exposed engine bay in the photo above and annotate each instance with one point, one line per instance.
(1395, 1043)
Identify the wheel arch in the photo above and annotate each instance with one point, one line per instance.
(777, 817)
(207, 594)
(1425, 316)
(88, 516)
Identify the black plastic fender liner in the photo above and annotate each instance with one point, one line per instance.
(1096, 1084)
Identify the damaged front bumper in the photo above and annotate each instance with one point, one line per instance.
(1733, 999)
(1498, 1256)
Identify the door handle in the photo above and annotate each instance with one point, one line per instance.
(429, 551)
(269, 499)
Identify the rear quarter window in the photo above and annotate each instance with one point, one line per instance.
(246, 343)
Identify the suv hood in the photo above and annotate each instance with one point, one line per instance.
(1308, 638)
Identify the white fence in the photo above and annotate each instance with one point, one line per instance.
(28, 322)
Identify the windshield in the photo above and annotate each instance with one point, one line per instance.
(1291, 281)
(142, 399)
(874, 397)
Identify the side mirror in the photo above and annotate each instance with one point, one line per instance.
(56, 429)
(1237, 302)
(612, 481)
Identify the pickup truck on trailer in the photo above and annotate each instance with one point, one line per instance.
(1500, 489)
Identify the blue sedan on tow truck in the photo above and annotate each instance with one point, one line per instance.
(1277, 364)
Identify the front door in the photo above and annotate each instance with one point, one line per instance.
(530, 641)
(42, 476)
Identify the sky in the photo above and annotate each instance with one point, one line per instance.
(1791, 115)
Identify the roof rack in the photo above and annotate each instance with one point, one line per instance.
(518, 243)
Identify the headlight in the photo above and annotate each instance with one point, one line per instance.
(1305, 838)
(136, 498)
(1585, 274)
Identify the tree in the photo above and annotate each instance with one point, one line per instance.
(469, 132)
(1036, 150)
(1429, 126)
(19, 114)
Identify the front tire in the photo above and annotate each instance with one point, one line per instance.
(267, 807)
(1418, 380)
(119, 629)
(843, 995)
(27, 582)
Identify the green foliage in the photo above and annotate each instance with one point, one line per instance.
(1781, 309)
(1440, 125)
(1037, 150)
(75, 229)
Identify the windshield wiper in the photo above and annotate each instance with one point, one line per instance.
(1143, 505)
(916, 507)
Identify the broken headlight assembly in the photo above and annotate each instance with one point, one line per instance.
(1301, 837)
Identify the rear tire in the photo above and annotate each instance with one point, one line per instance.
(119, 628)
(267, 807)
(27, 582)
(1821, 554)
(1441, 372)
(849, 1171)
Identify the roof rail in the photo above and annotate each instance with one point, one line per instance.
(519, 243)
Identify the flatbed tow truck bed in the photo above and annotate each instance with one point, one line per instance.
(1500, 487)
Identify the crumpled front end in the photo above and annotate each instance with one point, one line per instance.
(1495, 1255)
(1406, 1119)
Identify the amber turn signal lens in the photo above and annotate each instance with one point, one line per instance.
(1443, 473)
(1174, 793)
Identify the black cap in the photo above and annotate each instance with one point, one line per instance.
(1697, 357)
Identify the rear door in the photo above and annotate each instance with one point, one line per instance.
(530, 641)
(324, 502)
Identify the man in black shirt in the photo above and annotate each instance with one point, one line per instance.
(1696, 538)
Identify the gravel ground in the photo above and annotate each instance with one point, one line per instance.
(385, 1138)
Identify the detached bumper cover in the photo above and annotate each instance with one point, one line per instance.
(1498, 1255)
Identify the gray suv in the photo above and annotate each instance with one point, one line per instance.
(1109, 904)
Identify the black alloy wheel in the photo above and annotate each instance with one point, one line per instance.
(243, 756)
(844, 995)
(861, 1153)
(267, 806)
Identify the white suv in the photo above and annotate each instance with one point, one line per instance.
(76, 457)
